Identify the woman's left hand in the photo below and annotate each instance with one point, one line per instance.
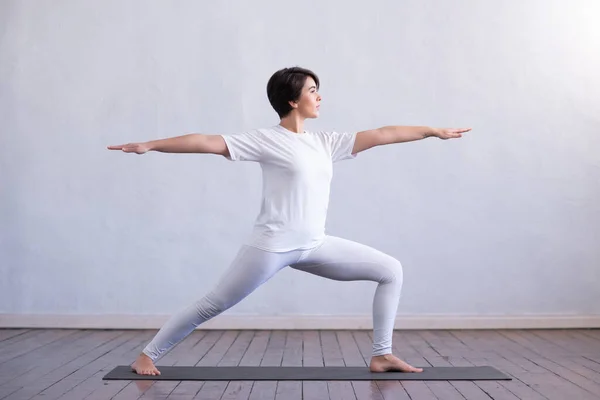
(450, 133)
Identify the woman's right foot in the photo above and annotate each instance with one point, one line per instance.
(143, 365)
(390, 362)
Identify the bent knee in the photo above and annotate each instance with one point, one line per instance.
(393, 271)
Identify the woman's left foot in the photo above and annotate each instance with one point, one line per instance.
(390, 362)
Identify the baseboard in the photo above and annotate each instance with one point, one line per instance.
(291, 322)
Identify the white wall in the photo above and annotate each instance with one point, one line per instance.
(503, 222)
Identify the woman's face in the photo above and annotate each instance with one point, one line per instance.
(310, 100)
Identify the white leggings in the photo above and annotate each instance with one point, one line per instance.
(334, 258)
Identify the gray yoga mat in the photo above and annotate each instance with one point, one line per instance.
(182, 373)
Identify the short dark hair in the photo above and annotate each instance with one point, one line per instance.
(286, 85)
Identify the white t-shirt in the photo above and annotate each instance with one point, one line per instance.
(297, 170)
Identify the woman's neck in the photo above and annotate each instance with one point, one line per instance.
(293, 123)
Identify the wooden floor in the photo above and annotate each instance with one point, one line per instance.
(70, 364)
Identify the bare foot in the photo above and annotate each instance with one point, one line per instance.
(390, 362)
(144, 366)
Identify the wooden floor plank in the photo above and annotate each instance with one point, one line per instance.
(367, 390)
(315, 390)
(256, 349)
(581, 335)
(501, 347)
(312, 349)
(48, 354)
(237, 390)
(263, 390)
(594, 366)
(273, 354)
(292, 352)
(332, 354)
(364, 345)
(591, 333)
(33, 343)
(236, 351)
(6, 334)
(11, 339)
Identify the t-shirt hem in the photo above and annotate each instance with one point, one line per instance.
(280, 249)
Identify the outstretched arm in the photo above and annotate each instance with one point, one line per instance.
(398, 134)
(192, 143)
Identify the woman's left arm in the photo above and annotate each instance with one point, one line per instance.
(399, 134)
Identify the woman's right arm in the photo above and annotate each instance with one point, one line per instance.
(191, 143)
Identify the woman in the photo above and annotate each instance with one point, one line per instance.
(290, 228)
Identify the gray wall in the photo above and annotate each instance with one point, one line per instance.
(504, 221)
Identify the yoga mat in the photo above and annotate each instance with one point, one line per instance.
(183, 373)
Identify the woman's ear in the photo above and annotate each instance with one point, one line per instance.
(294, 104)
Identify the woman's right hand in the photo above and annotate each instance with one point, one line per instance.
(138, 148)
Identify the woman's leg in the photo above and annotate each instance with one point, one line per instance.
(250, 269)
(345, 260)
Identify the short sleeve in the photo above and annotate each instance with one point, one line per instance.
(341, 144)
(247, 146)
